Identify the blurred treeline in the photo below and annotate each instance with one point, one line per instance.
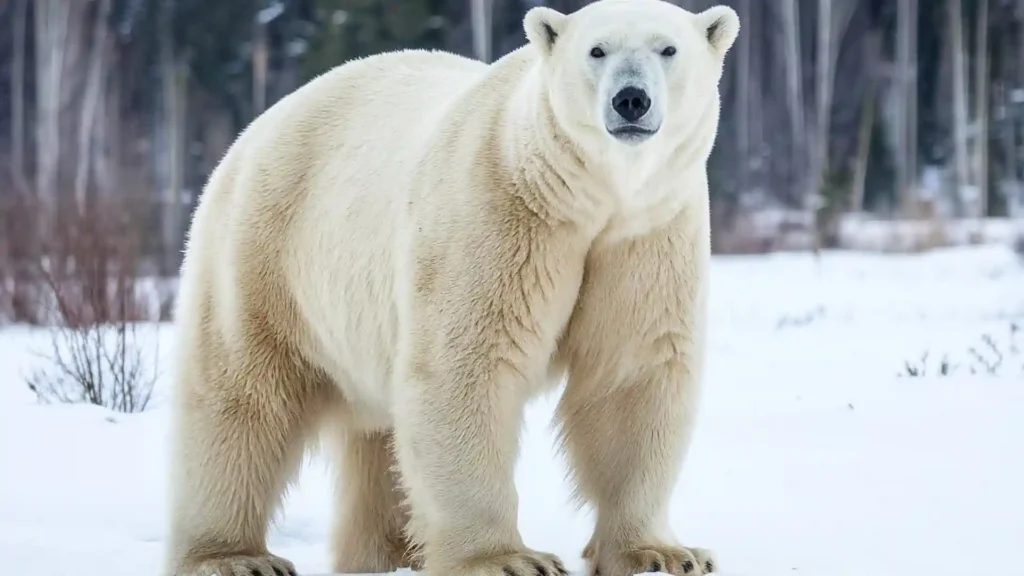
(903, 109)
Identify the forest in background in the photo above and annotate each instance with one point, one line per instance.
(836, 114)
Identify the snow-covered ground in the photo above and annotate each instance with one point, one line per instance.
(812, 454)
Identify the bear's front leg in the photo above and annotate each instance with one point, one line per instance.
(626, 448)
(477, 332)
(456, 438)
(634, 348)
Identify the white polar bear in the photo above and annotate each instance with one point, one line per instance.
(404, 251)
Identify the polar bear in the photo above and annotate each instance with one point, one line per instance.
(404, 251)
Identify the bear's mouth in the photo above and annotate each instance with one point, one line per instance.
(632, 132)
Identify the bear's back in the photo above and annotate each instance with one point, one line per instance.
(298, 223)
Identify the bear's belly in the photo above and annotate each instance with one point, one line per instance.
(358, 356)
(343, 283)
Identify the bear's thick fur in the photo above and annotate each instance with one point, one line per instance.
(404, 251)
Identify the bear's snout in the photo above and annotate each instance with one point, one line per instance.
(631, 103)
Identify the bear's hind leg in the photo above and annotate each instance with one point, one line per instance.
(369, 529)
(239, 436)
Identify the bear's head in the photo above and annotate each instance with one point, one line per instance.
(633, 78)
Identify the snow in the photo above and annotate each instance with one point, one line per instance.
(812, 454)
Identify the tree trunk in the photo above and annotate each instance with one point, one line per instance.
(51, 26)
(259, 67)
(91, 103)
(819, 148)
(867, 121)
(174, 81)
(911, 91)
(833, 20)
(981, 108)
(959, 96)
(106, 152)
(1018, 149)
(1011, 66)
(756, 105)
(743, 99)
(18, 98)
(790, 14)
(480, 14)
(903, 40)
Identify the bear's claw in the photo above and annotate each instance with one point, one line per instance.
(706, 559)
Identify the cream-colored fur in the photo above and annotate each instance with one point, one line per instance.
(403, 252)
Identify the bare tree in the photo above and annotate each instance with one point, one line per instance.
(97, 356)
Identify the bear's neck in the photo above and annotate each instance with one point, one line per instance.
(562, 184)
(545, 168)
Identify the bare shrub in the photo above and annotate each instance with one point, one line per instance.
(994, 357)
(100, 364)
(89, 279)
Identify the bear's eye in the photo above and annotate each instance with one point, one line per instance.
(669, 51)
(596, 52)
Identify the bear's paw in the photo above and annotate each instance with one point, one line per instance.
(525, 563)
(266, 565)
(641, 559)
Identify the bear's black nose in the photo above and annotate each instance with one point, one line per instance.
(631, 103)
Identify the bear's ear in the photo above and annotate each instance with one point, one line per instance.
(543, 25)
(721, 25)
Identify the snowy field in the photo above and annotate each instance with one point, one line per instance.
(813, 455)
